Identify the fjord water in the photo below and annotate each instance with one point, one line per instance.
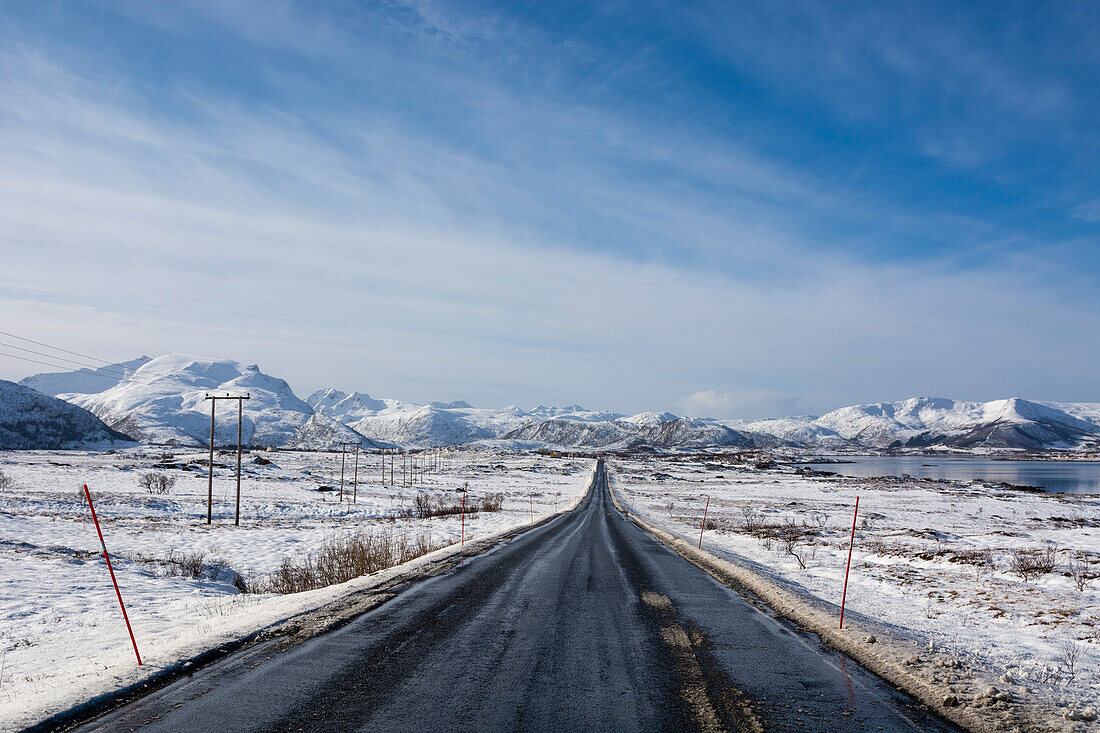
(1062, 477)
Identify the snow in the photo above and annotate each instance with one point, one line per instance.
(917, 568)
(61, 636)
(161, 401)
(30, 419)
(164, 402)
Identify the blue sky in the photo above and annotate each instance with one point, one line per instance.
(732, 210)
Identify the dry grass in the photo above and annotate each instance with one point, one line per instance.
(187, 565)
(341, 560)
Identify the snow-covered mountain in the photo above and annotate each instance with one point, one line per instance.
(935, 421)
(644, 429)
(161, 400)
(801, 431)
(32, 420)
(321, 432)
(84, 381)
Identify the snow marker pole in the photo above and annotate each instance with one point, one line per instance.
(704, 524)
(851, 542)
(463, 540)
(111, 570)
(532, 498)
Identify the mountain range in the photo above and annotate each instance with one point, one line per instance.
(30, 419)
(162, 400)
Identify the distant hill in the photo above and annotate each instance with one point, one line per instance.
(164, 402)
(32, 420)
(935, 421)
(161, 401)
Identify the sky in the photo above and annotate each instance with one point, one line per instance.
(724, 210)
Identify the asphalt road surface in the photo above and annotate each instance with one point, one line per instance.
(583, 623)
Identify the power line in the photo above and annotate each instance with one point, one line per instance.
(51, 356)
(105, 374)
(36, 361)
(92, 370)
(56, 348)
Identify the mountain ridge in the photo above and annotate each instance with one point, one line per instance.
(161, 400)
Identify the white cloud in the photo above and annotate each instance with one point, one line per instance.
(1089, 211)
(383, 258)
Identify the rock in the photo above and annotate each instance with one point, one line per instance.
(870, 640)
(1008, 679)
(990, 691)
(931, 645)
(951, 701)
(1085, 714)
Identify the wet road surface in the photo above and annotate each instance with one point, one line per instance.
(584, 623)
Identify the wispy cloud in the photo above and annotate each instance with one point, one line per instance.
(423, 225)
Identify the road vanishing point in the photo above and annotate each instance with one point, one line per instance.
(583, 623)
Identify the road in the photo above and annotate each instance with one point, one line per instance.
(583, 623)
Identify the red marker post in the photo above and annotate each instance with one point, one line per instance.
(704, 524)
(851, 542)
(88, 496)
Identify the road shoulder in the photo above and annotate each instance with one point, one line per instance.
(317, 613)
(889, 658)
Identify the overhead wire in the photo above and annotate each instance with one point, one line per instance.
(106, 372)
(55, 348)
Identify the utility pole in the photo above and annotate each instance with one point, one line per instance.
(343, 456)
(210, 478)
(355, 475)
(240, 419)
(210, 465)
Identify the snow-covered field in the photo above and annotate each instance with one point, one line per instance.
(61, 635)
(933, 564)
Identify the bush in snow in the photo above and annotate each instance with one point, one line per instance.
(1079, 571)
(157, 483)
(6, 482)
(1029, 564)
(187, 565)
(492, 502)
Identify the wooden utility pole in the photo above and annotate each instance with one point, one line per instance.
(355, 475)
(343, 456)
(210, 478)
(210, 482)
(240, 419)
